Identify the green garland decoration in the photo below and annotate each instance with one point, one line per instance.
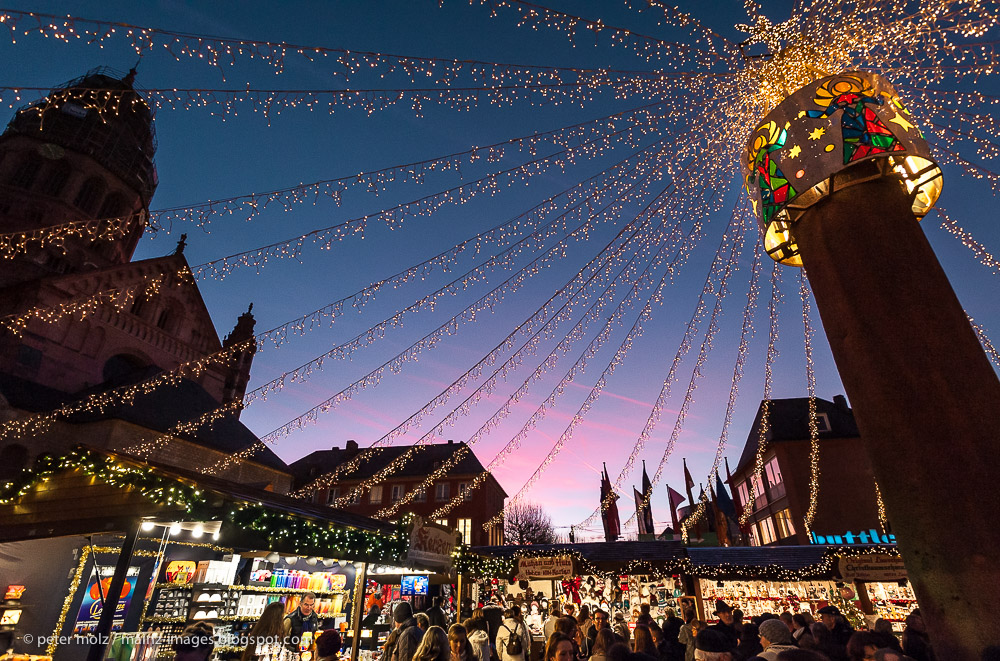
(301, 532)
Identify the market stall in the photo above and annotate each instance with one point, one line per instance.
(865, 582)
(161, 547)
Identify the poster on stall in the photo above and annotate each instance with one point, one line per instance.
(90, 608)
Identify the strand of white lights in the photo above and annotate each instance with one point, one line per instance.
(974, 170)
(270, 103)
(985, 148)
(125, 395)
(674, 16)
(765, 405)
(378, 181)
(883, 520)
(746, 335)
(249, 206)
(373, 378)
(811, 385)
(221, 51)
(575, 285)
(680, 257)
(703, 351)
(978, 249)
(536, 16)
(643, 281)
(715, 271)
(394, 217)
(579, 331)
(984, 339)
(328, 479)
(116, 298)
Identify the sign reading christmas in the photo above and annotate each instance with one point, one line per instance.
(431, 544)
(872, 567)
(556, 566)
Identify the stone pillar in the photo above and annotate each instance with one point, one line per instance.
(926, 400)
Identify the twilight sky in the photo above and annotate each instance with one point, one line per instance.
(205, 155)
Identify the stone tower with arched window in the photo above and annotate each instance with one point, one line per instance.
(84, 156)
(84, 153)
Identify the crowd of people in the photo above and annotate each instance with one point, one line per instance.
(495, 634)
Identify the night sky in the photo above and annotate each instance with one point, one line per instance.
(204, 154)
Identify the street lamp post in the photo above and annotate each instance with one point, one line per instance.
(840, 176)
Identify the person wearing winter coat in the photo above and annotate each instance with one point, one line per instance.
(513, 627)
(408, 634)
(479, 638)
(775, 638)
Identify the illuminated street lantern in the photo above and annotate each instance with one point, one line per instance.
(833, 133)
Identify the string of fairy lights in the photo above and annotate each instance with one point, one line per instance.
(808, 333)
(543, 366)
(738, 83)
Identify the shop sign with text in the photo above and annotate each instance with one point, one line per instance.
(872, 567)
(431, 544)
(557, 566)
(870, 536)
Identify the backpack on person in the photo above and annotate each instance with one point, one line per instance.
(514, 645)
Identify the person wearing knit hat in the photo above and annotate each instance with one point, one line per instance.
(774, 638)
(405, 637)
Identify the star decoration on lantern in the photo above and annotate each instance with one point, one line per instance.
(903, 122)
(817, 133)
(794, 152)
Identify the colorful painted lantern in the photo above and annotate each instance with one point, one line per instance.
(834, 133)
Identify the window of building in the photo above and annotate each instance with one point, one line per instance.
(767, 535)
(758, 485)
(138, 304)
(55, 181)
(114, 206)
(356, 497)
(465, 491)
(823, 422)
(398, 491)
(375, 497)
(442, 491)
(420, 497)
(773, 472)
(332, 494)
(163, 320)
(465, 527)
(786, 528)
(89, 197)
(441, 522)
(754, 538)
(743, 494)
(25, 175)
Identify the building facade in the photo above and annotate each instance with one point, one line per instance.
(847, 506)
(477, 505)
(77, 176)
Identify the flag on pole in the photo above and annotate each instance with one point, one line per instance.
(640, 516)
(609, 514)
(647, 497)
(674, 499)
(688, 482)
(719, 518)
(724, 499)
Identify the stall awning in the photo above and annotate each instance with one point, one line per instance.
(661, 557)
(93, 491)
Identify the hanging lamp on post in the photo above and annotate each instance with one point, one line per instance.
(840, 174)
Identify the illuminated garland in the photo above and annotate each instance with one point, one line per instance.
(277, 528)
(765, 405)
(469, 563)
(579, 283)
(588, 354)
(883, 520)
(735, 244)
(978, 249)
(984, 339)
(813, 423)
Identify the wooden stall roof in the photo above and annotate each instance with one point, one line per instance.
(606, 556)
(72, 502)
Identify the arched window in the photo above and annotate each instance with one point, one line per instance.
(114, 206)
(138, 304)
(90, 195)
(56, 178)
(26, 172)
(163, 320)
